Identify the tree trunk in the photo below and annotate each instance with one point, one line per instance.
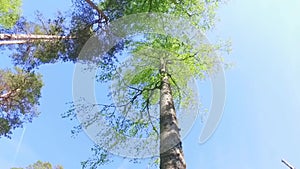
(171, 153)
(8, 39)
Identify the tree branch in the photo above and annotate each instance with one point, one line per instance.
(149, 116)
(178, 88)
(190, 56)
(100, 12)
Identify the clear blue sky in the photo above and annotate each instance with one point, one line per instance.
(260, 124)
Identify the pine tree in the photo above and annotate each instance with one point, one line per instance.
(20, 92)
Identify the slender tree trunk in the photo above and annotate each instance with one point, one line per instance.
(6, 39)
(13, 42)
(171, 153)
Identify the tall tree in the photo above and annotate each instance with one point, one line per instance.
(37, 43)
(172, 82)
(140, 90)
(52, 40)
(149, 79)
(19, 90)
(139, 87)
(45, 41)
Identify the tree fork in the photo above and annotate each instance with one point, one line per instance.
(171, 153)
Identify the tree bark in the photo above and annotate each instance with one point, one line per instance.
(171, 153)
(6, 39)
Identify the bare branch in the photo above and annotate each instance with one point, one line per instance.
(149, 116)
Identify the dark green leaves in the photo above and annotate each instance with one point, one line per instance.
(20, 92)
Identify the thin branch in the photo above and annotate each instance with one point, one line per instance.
(41, 19)
(149, 116)
(100, 12)
(188, 57)
(178, 88)
(156, 85)
(6, 95)
(11, 93)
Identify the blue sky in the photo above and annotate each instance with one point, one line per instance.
(261, 116)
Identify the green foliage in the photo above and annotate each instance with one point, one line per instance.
(41, 165)
(84, 24)
(136, 83)
(201, 12)
(20, 92)
(9, 12)
(98, 158)
(183, 64)
(33, 53)
(73, 33)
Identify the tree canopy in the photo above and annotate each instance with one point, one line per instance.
(20, 92)
(138, 81)
(160, 66)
